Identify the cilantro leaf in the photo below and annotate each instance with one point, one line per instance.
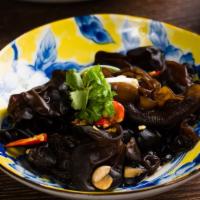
(91, 94)
(79, 99)
(73, 80)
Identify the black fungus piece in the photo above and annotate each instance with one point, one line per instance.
(132, 151)
(165, 153)
(101, 135)
(64, 161)
(52, 160)
(177, 76)
(56, 143)
(169, 117)
(60, 175)
(148, 58)
(9, 132)
(42, 158)
(39, 124)
(113, 59)
(7, 123)
(190, 68)
(149, 140)
(43, 109)
(117, 166)
(181, 144)
(62, 170)
(187, 130)
(186, 138)
(49, 100)
(124, 92)
(151, 162)
(127, 134)
(116, 174)
(103, 149)
(61, 143)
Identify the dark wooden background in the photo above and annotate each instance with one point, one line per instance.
(17, 18)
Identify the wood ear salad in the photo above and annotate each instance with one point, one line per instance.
(106, 127)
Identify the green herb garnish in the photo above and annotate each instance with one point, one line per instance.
(91, 95)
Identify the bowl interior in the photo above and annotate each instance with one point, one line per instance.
(72, 43)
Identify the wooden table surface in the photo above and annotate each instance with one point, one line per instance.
(17, 18)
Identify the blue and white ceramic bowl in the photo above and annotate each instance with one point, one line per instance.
(72, 43)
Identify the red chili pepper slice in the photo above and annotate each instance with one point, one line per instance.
(119, 112)
(103, 122)
(37, 139)
(117, 118)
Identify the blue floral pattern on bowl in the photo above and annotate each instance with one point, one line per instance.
(24, 74)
